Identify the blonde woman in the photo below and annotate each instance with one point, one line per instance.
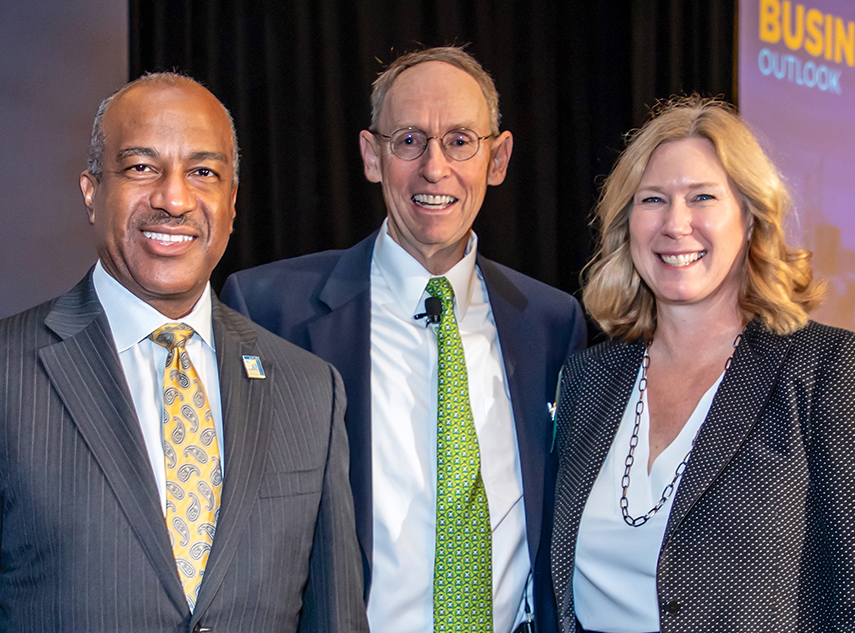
(706, 476)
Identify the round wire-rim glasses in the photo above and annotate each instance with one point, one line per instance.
(458, 144)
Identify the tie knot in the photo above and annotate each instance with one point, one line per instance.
(441, 287)
(172, 335)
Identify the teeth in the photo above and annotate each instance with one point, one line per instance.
(683, 259)
(166, 237)
(430, 200)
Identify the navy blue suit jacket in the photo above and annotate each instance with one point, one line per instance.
(322, 302)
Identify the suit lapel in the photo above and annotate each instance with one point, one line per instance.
(611, 376)
(737, 405)
(247, 421)
(525, 368)
(342, 337)
(85, 370)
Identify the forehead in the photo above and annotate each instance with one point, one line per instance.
(167, 118)
(694, 158)
(435, 94)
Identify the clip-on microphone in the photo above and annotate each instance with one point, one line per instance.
(433, 311)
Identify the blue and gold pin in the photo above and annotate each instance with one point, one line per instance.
(252, 365)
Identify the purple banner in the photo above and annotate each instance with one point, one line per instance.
(797, 91)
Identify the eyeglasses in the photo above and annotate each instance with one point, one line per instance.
(409, 143)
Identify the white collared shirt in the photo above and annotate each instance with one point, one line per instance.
(403, 442)
(143, 361)
(614, 578)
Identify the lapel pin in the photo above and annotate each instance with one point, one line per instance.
(252, 365)
(551, 408)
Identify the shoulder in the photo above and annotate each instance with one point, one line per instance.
(819, 349)
(606, 357)
(534, 290)
(47, 322)
(290, 291)
(811, 346)
(537, 294)
(17, 331)
(822, 336)
(306, 270)
(812, 368)
(594, 384)
(553, 318)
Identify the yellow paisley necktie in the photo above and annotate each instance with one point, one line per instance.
(192, 458)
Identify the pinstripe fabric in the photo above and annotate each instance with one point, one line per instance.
(760, 536)
(84, 543)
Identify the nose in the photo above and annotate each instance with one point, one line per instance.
(173, 194)
(678, 219)
(435, 164)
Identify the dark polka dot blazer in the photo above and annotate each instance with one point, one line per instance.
(761, 535)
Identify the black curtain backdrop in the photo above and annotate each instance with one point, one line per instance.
(573, 78)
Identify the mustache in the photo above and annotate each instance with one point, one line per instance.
(165, 220)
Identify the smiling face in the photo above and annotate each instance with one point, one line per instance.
(164, 207)
(432, 201)
(687, 229)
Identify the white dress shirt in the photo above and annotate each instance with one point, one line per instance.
(614, 580)
(143, 361)
(403, 442)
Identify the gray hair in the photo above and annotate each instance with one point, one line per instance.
(95, 158)
(454, 55)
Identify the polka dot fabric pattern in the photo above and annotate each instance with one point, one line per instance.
(761, 535)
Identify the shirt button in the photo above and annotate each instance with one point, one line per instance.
(671, 607)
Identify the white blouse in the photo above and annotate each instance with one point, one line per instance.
(614, 580)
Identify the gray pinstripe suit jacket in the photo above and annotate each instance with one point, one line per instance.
(84, 544)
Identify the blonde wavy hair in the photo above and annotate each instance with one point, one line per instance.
(777, 283)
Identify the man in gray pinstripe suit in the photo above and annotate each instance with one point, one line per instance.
(83, 541)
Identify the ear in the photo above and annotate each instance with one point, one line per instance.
(370, 149)
(88, 187)
(232, 200)
(500, 155)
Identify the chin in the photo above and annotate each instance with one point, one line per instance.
(166, 288)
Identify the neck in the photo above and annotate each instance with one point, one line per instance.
(173, 311)
(440, 264)
(173, 307)
(436, 259)
(691, 333)
(439, 261)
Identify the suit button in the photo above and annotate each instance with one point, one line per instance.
(671, 607)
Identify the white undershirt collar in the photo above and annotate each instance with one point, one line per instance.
(132, 319)
(407, 278)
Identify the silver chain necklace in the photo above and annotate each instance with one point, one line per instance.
(633, 442)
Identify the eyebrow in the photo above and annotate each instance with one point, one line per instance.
(697, 185)
(203, 155)
(705, 185)
(136, 151)
(149, 152)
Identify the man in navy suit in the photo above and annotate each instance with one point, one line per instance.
(434, 146)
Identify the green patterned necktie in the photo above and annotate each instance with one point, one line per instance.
(463, 568)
